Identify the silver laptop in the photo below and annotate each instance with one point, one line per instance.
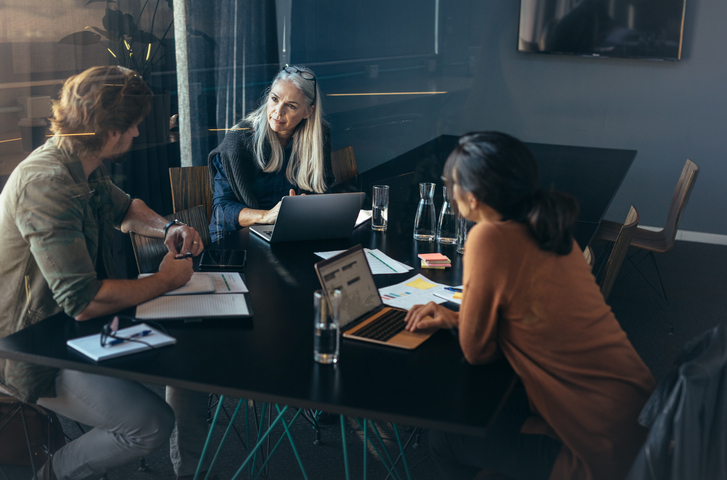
(313, 217)
(363, 316)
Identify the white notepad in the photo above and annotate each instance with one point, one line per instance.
(209, 282)
(193, 306)
(91, 345)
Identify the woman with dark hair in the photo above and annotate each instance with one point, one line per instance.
(282, 148)
(529, 295)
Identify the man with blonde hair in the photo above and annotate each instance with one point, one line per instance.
(57, 215)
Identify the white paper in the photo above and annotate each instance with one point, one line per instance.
(228, 282)
(379, 262)
(91, 345)
(209, 282)
(403, 295)
(363, 217)
(448, 295)
(193, 306)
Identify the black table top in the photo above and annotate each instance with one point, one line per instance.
(269, 357)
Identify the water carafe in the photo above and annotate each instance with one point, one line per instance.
(425, 221)
(447, 225)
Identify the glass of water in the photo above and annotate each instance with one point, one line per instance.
(380, 208)
(326, 340)
(463, 228)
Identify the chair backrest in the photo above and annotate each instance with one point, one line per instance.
(149, 251)
(679, 201)
(618, 253)
(343, 163)
(191, 187)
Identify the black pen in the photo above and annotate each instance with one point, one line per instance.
(184, 255)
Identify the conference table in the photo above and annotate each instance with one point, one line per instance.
(269, 356)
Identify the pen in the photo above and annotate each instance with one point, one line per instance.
(182, 256)
(117, 341)
(453, 289)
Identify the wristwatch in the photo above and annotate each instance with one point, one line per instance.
(173, 222)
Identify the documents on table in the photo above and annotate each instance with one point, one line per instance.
(217, 282)
(379, 262)
(450, 296)
(91, 345)
(417, 290)
(363, 217)
(192, 301)
(193, 306)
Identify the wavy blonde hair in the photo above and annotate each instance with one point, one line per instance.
(306, 168)
(95, 102)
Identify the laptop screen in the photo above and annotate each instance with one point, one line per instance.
(351, 274)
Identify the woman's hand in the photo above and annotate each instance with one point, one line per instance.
(182, 239)
(431, 315)
(271, 215)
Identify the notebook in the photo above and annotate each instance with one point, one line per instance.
(91, 345)
(363, 316)
(313, 217)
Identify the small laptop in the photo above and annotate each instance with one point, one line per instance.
(362, 315)
(313, 217)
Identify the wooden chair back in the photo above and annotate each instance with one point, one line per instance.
(343, 163)
(150, 251)
(681, 196)
(618, 253)
(191, 187)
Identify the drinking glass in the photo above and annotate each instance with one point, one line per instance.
(425, 222)
(380, 208)
(447, 225)
(463, 227)
(326, 341)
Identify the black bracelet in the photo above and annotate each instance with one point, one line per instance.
(173, 222)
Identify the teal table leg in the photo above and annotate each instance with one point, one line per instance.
(224, 438)
(391, 471)
(345, 451)
(259, 432)
(401, 450)
(276, 446)
(259, 443)
(209, 436)
(383, 447)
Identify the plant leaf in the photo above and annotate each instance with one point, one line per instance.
(81, 38)
(119, 24)
(144, 37)
(103, 33)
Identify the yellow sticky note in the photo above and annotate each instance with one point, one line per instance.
(457, 296)
(420, 284)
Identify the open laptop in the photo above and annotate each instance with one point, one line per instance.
(313, 217)
(363, 316)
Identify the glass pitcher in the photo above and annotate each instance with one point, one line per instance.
(425, 223)
(447, 225)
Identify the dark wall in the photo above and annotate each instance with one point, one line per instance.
(667, 111)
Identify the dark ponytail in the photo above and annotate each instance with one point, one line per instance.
(550, 220)
(500, 171)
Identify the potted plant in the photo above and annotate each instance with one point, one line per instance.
(129, 45)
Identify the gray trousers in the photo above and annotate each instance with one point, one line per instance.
(129, 421)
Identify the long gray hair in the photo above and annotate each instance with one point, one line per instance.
(306, 168)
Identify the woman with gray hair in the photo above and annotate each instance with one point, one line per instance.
(282, 148)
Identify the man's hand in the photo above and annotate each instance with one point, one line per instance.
(176, 272)
(431, 315)
(182, 239)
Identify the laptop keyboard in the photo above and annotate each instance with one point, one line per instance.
(384, 327)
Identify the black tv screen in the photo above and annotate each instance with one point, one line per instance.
(649, 29)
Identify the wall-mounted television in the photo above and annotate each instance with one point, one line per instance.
(650, 29)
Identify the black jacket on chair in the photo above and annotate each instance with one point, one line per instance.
(687, 414)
